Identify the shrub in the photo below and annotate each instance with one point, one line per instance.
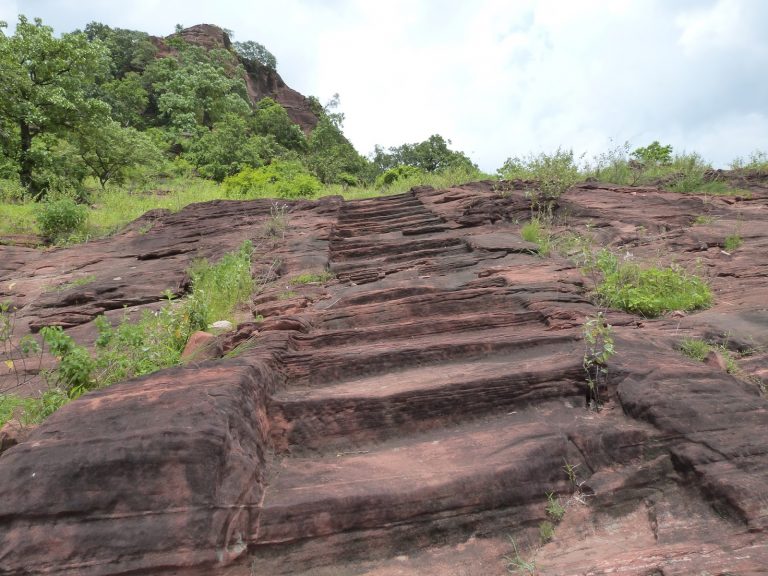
(392, 175)
(553, 173)
(757, 160)
(11, 191)
(535, 231)
(732, 242)
(651, 291)
(695, 349)
(279, 179)
(59, 218)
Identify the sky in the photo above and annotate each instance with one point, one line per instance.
(499, 78)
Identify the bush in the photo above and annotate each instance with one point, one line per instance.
(59, 218)
(695, 349)
(11, 191)
(392, 175)
(279, 179)
(553, 173)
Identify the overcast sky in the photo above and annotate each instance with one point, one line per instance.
(498, 78)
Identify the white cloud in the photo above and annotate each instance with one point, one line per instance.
(500, 78)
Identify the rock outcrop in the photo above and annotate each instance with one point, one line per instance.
(261, 81)
(413, 413)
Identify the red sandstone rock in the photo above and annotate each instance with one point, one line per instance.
(200, 346)
(419, 410)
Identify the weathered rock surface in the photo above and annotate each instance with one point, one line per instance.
(410, 415)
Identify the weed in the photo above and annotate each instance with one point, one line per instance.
(554, 508)
(757, 160)
(82, 281)
(703, 219)
(650, 291)
(695, 349)
(553, 173)
(218, 289)
(59, 218)
(535, 231)
(732, 242)
(516, 564)
(287, 295)
(546, 531)
(598, 339)
(312, 278)
(277, 222)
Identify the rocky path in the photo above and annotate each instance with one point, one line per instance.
(411, 415)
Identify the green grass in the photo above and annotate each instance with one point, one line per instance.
(650, 290)
(312, 278)
(703, 219)
(82, 281)
(732, 242)
(18, 219)
(536, 231)
(695, 349)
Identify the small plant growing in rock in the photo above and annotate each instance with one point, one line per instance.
(516, 564)
(732, 242)
(695, 349)
(598, 338)
(546, 531)
(555, 509)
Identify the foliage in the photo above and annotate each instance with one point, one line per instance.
(695, 348)
(277, 180)
(251, 52)
(12, 405)
(129, 50)
(732, 242)
(598, 341)
(127, 98)
(757, 160)
(228, 148)
(392, 175)
(654, 154)
(60, 217)
(688, 173)
(270, 118)
(218, 289)
(46, 81)
(555, 509)
(109, 150)
(74, 373)
(11, 191)
(546, 531)
(516, 564)
(312, 278)
(553, 174)
(431, 155)
(329, 154)
(650, 291)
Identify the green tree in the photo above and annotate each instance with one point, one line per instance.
(109, 149)
(271, 118)
(46, 82)
(196, 88)
(254, 52)
(129, 50)
(228, 148)
(127, 98)
(431, 155)
(653, 155)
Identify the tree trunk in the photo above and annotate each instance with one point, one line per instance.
(25, 159)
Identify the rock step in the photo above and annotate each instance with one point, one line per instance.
(370, 228)
(478, 478)
(311, 368)
(347, 218)
(407, 329)
(419, 303)
(372, 409)
(340, 251)
(395, 257)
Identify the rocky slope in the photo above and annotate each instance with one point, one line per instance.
(261, 81)
(411, 415)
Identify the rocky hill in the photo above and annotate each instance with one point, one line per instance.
(417, 413)
(262, 81)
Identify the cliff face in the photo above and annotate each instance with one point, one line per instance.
(262, 82)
